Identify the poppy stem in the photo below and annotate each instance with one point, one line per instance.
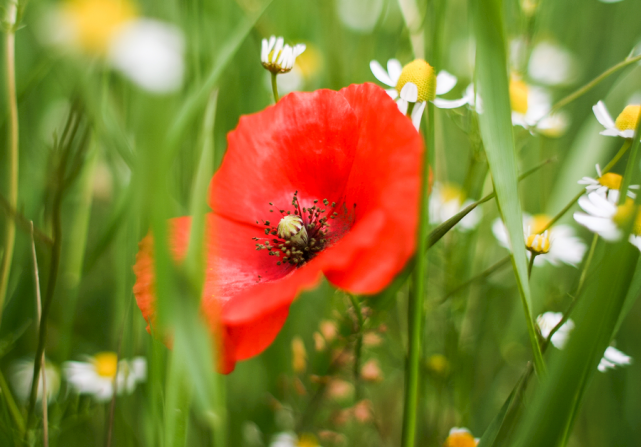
(358, 347)
(275, 87)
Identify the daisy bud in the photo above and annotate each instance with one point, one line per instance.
(291, 228)
(628, 119)
(538, 243)
(460, 437)
(421, 74)
(278, 57)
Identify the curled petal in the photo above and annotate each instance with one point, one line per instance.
(379, 73)
(602, 115)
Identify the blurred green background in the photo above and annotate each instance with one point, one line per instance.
(475, 342)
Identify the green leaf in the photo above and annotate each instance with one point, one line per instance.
(556, 402)
(496, 132)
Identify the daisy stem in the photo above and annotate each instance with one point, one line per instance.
(416, 299)
(275, 87)
(531, 264)
(12, 157)
(568, 312)
(590, 85)
(359, 345)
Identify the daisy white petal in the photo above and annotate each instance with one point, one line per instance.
(445, 82)
(379, 73)
(402, 106)
(449, 103)
(394, 69)
(612, 358)
(417, 113)
(299, 49)
(602, 115)
(277, 48)
(409, 92)
(604, 227)
(392, 93)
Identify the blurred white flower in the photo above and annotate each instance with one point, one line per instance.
(606, 218)
(359, 15)
(150, 53)
(416, 83)
(548, 321)
(551, 64)
(607, 185)
(613, 358)
(564, 246)
(446, 201)
(460, 437)
(21, 377)
(287, 439)
(101, 372)
(278, 57)
(610, 1)
(625, 123)
(530, 106)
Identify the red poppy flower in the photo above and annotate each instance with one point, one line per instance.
(320, 183)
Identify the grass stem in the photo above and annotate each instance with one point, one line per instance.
(275, 87)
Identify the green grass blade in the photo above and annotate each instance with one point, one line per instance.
(496, 131)
(551, 413)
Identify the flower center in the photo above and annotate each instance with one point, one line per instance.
(421, 74)
(298, 237)
(539, 222)
(610, 180)
(625, 213)
(538, 243)
(452, 192)
(628, 119)
(460, 439)
(106, 364)
(518, 96)
(95, 22)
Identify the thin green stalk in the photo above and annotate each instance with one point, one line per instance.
(568, 312)
(12, 177)
(590, 85)
(358, 346)
(416, 299)
(531, 264)
(632, 167)
(275, 87)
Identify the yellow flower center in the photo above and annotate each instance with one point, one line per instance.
(95, 22)
(629, 118)
(538, 243)
(452, 192)
(460, 439)
(518, 96)
(422, 75)
(539, 223)
(611, 180)
(106, 364)
(627, 212)
(307, 440)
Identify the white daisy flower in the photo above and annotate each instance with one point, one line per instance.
(562, 244)
(448, 200)
(607, 185)
(548, 321)
(287, 439)
(613, 358)
(551, 64)
(149, 52)
(606, 218)
(416, 83)
(98, 375)
(278, 57)
(460, 437)
(530, 106)
(21, 377)
(625, 123)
